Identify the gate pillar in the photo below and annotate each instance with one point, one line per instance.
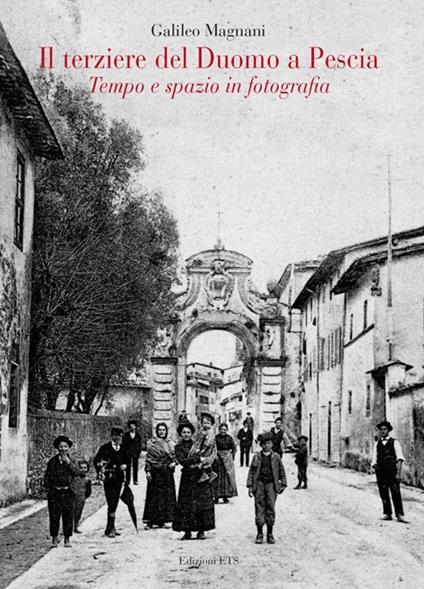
(164, 373)
(270, 369)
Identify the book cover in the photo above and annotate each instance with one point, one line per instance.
(274, 132)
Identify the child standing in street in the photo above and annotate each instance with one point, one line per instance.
(60, 472)
(265, 480)
(301, 459)
(81, 486)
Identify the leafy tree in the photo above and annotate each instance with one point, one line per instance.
(104, 254)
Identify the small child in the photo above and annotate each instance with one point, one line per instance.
(301, 459)
(205, 447)
(265, 480)
(81, 486)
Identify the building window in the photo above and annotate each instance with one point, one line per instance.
(349, 402)
(20, 202)
(336, 346)
(368, 401)
(314, 360)
(328, 353)
(321, 364)
(365, 314)
(323, 293)
(334, 337)
(14, 388)
(330, 294)
(310, 433)
(351, 327)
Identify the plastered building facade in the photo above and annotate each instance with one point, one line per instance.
(24, 134)
(347, 374)
(374, 385)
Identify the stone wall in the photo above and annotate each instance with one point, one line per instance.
(88, 432)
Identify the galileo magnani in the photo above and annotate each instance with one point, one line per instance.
(209, 30)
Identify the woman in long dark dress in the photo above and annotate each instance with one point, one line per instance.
(195, 507)
(159, 507)
(225, 485)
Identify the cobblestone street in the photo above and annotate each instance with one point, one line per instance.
(328, 536)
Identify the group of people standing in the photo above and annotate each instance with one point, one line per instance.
(68, 485)
(207, 475)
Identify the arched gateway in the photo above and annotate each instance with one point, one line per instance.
(220, 295)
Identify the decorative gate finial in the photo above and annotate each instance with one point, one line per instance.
(219, 245)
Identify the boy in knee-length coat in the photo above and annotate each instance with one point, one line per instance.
(265, 480)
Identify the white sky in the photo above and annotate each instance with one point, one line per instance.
(216, 346)
(294, 178)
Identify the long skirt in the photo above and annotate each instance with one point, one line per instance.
(195, 507)
(159, 507)
(225, 484)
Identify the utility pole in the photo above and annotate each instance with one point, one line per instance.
(390, 330)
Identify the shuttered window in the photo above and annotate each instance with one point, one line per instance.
(20, 202)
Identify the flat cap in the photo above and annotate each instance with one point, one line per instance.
(117, 429)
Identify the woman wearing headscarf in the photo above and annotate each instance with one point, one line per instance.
(159, 507)
(225, 485)
(195, 507)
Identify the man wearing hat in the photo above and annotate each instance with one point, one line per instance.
(245, 437)
(183, 418)
(131, 441)
(60, 472)
(387, 459)
(111, 461)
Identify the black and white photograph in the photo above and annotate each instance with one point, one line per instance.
(211, 294)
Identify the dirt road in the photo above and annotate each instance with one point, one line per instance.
(328, 536)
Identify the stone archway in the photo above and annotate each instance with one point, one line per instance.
(221, 296)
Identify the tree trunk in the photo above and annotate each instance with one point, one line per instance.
(72, 394)
(95, 387)
(105, 392)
